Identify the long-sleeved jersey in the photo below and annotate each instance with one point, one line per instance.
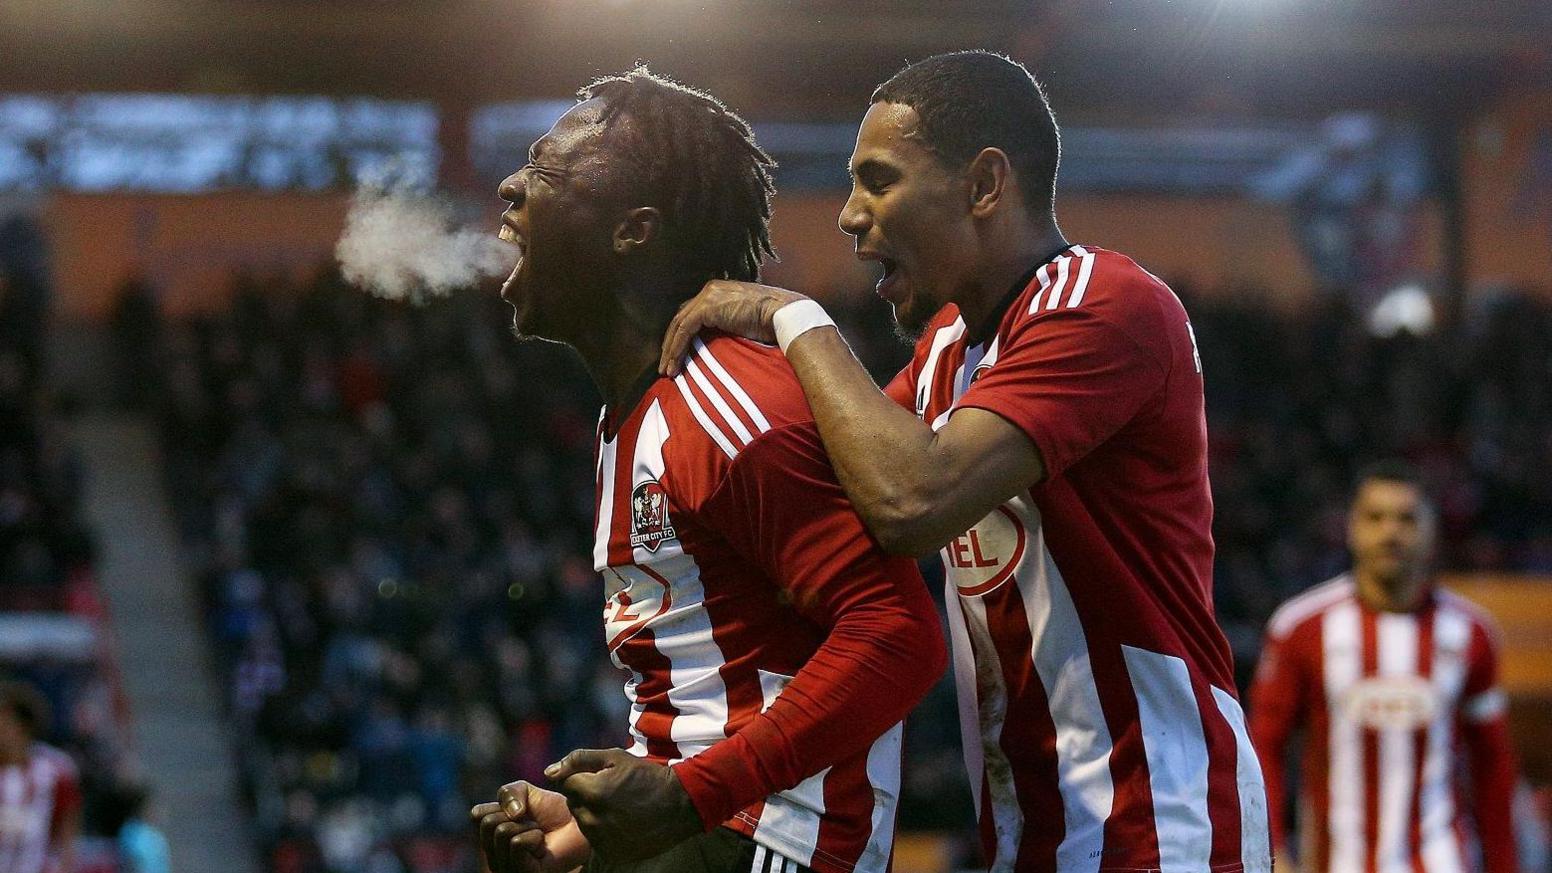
(772, 647)
(1388, 702)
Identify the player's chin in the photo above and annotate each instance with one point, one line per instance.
(911, 318)
(524, 323)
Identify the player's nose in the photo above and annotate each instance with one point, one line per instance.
(854, 219)
(513, 189)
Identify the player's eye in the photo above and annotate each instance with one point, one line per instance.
(874, 183)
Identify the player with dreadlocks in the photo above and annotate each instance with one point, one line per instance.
(772, 649)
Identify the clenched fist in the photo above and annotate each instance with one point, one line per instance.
(529, 830)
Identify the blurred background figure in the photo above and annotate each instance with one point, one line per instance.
(1390, 680)
(40, 792)
(273, 546)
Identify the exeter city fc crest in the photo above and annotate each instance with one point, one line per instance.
(649, 516)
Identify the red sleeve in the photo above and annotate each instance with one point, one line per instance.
(902, 388)
(1485, 732)
(884, 648)
(1277, 707)
(1070, 379)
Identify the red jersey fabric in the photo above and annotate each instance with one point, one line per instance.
(773, 648)
(1102, 731)
(1391, 703)
(35, 799)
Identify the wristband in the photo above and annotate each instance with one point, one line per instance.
(797, 318)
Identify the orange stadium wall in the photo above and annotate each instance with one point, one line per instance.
(1507, 182)
(187, 245)
(190, 245)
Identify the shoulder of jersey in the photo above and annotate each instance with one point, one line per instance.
(732, 390)
(1095, 279)
(1472, 610)
(1302, 610)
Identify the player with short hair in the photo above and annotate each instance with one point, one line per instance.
(1049, 438)
(40, 792)
(1390, 677)
(773, 648)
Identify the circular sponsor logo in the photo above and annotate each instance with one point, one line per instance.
(1391, 702)
(985, 556)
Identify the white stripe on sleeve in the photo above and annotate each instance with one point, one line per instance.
(715, 366)
(717, 436)
(1085, 267)
(1056, 287)
(715, 396)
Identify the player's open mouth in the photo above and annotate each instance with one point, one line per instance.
(887, 280)
(509, 234)
(890, 271)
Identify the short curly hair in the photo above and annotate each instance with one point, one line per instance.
(971, 100)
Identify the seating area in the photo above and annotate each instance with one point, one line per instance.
(389, 510)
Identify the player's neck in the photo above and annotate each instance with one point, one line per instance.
(1005, 266)
(1376, 595)
(617, 369)
(622, 348)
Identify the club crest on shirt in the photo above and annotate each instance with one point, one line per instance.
(1391, 702)
(649, 516)
(978, 372)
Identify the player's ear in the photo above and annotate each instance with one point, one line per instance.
(990, 174)
(636, 229)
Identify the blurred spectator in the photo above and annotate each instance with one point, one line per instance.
(46, 566)
(40, 792)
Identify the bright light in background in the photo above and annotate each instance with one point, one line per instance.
(184, 143)
(1407, 309)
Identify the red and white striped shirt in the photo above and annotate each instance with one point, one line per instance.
(1102, 731)
(1387, 700)
(773, 648)
(35, 798)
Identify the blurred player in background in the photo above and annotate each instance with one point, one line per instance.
(1049, 437)
(40, 793)
(773, 647)
(1388, 675)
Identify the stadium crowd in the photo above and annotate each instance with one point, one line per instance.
(391, 517)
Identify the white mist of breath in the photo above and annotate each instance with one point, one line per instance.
(402, 244)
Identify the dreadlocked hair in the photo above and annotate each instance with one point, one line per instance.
(696, 161)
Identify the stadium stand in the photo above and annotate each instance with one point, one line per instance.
(390, 518)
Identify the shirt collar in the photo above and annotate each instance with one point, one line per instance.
(988, 328)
